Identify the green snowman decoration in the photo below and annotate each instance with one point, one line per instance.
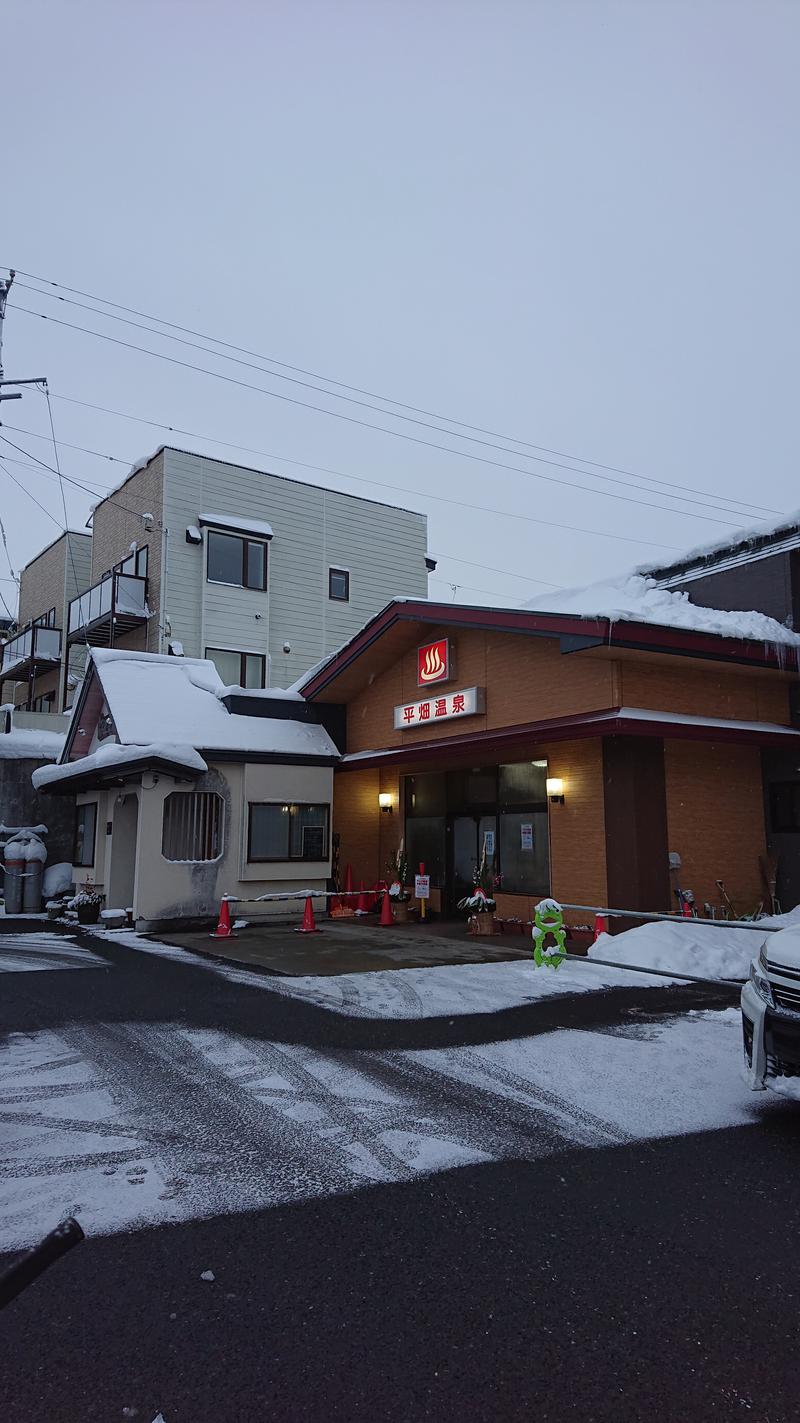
(548, 923)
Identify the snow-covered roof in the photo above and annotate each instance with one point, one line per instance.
(770, 529)
(22, 744)
(636, 598)
(114, 757)
(149, 695)
(233, 521)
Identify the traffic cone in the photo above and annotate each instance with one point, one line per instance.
(363, 902)
(387, 918)
(600, 926)
(223, 929)
(308, 925)
(348, 881)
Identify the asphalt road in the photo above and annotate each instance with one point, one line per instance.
(616, 1279)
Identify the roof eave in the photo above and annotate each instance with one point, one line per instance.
(649, 637)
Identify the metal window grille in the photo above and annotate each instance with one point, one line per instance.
(192, 828)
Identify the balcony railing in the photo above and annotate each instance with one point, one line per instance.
(33, 648)
(115, 605)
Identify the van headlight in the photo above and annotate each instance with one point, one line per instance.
(761, 984)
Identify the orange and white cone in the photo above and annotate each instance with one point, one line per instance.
(223, 929)
(600, 926)
(386, 920)
(308, 925)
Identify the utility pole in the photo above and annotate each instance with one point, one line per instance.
(5, 287)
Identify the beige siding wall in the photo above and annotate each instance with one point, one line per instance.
(383, 549)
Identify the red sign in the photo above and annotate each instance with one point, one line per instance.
(433, 662)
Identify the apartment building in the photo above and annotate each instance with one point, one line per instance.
(263, 575)
(40, 668)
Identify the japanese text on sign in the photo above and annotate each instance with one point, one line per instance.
(466, 702)
(422, 886)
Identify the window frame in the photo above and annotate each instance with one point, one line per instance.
(91, 805)
(288, 858)
(242, 654)
(244, 540)
(219, 827)
(335, 597)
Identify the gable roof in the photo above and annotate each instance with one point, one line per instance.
(394, 630)
(176, 701)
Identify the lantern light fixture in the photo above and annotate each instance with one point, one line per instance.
(555, 790)
(385, 801)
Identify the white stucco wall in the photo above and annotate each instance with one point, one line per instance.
(165, 889)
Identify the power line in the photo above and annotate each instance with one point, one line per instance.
(358, 390)
(105, 494)
(404, 489)
(707, 502)
(21, 486)
(75, 581)
(367, 424)
(35, 435)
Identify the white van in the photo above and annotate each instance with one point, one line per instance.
(771, 1013)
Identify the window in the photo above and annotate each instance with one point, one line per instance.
(239, 669)
(784, 807)
(339, 585)
(85, 828)
(240, 562)
(134, 566)
(288, 832)
(192, 826)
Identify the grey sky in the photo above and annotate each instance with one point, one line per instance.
(574, 223)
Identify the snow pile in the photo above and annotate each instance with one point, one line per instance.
(57, 880)
(138, 685)
(635, 598)
(26, 846)
(692, 946)
(766, 528)
(22, 744)
(233, 521)
(112, 755)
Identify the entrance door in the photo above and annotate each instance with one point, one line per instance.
(466, 837)
(122, 877)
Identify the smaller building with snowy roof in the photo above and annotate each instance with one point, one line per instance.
(187, 790)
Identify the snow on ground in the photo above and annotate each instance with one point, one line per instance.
(132, 1124)
(692, 946)
(456, 989)
(36, 953)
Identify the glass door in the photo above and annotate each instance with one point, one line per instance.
(467, 835)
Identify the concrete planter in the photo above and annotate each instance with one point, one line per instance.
(400, 908)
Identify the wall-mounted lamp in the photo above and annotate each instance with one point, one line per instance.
(385, 801)
(555, 790)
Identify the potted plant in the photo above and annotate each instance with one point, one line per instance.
(481, 903)
(86, 904)
(398, 874)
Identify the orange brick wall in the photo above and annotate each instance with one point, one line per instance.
(704, 691)
(715, 817)
(528, 679)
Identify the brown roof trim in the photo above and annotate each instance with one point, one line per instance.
(611, 721)
(642, 636)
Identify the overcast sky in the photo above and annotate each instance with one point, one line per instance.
(571, 222)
